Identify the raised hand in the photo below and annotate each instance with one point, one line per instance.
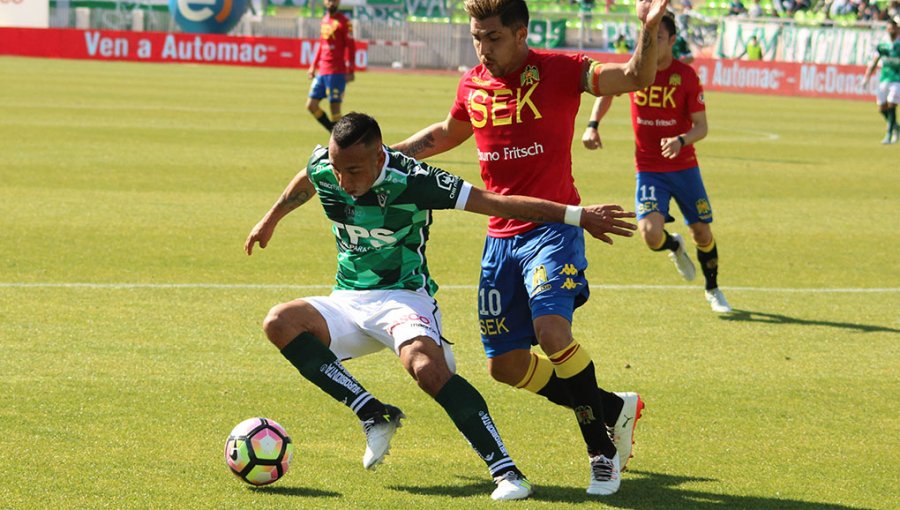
(651, 12)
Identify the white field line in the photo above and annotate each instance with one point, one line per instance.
(126, 286)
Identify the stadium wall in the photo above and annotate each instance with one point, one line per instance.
(775, 78)
(771, 78)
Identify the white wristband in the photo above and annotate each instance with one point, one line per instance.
(573, 215)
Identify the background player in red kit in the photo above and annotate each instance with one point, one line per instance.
(669, 117)
(332, 65)
(521, 106)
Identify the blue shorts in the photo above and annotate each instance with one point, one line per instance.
(540, 272)
(655, 190)
(331, 85)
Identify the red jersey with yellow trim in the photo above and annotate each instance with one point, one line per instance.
(336, 46)
(523, 124)
(664, 110)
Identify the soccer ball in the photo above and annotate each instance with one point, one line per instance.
(258, 451)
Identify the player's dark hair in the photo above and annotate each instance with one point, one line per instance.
(513, 13)
(668, 21)
(354, 128)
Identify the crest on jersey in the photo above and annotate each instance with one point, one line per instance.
(445, 180)
(675, 80)
(530, 76)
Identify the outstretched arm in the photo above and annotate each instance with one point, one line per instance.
(297, 193)
(435, 139)
(609, 79)
(598, 220)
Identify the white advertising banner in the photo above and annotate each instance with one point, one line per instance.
(25, 13)
(792, 43)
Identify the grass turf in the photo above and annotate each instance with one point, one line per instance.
(135, 177)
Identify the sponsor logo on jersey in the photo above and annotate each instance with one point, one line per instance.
(530, 76)
(376, 238)
(479, 81)
(656, 122)
(502, 107)
(656, 96)
(510, 153)
(675, 80)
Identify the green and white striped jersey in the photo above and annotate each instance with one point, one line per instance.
(381, 235)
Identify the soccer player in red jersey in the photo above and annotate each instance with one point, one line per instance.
(332, 65)
(668, 118)
(521, 106)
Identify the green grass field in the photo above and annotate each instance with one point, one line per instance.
(130, 316)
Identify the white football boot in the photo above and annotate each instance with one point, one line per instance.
(681, 259)
(379, 430)
(622, 433)
(605, 478)
(717, 301)
(511, 486)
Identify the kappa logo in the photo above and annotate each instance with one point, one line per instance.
(569, 269)
(570, 284)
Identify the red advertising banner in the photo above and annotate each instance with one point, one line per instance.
(776, 78)
(165, 47)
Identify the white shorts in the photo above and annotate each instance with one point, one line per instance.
(363, 322)
(888, 92)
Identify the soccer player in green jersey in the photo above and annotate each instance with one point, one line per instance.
(379, 202)
(888, 94)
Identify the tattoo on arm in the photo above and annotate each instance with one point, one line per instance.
(294, 200)
(414, 147)
(645, 40)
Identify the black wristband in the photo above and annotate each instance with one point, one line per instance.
(593, 124)
(681, 139)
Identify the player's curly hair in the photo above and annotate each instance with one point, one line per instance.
(354, 128)
(513, 13)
